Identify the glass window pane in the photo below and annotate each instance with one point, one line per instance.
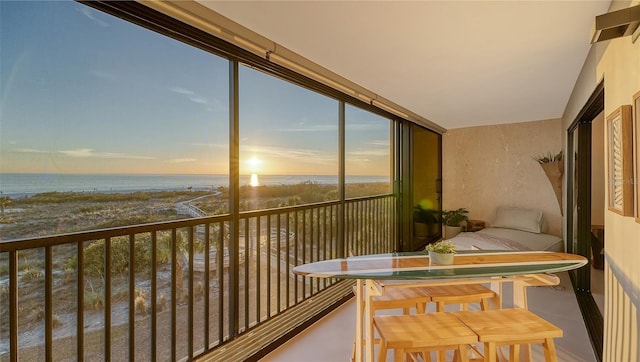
(367, 153)
(103, 112)
(425, 181)
(288, 143)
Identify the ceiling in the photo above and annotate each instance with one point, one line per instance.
(456, 63)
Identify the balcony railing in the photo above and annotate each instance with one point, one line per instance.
(174, 290)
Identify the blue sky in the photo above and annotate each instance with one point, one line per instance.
(85, 92)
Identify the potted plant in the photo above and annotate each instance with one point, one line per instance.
(424, 220)
(452, 221)
(441, 252)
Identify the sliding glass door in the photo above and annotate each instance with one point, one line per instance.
(579, 211)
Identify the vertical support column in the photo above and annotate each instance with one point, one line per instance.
(341, 176)
(234, 197)
(371, 289)
(403, 189)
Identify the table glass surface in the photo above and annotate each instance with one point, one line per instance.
(467, 264)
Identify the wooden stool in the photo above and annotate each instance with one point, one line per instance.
(401, 297)
(422, 332)
(397, 298)
(511, 327)
(462, 294)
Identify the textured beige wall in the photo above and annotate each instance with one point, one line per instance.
(490, 166)
(618, 63)
(620, 68)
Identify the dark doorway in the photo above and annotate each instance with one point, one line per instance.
(579, 212)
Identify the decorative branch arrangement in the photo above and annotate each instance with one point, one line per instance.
(553, 167)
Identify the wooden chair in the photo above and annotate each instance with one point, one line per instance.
(423, 332)
(511, 327)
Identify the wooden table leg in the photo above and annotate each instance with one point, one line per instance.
(371, 289)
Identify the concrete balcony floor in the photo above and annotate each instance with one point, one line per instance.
(331, 338)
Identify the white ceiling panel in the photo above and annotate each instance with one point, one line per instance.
(456, 63)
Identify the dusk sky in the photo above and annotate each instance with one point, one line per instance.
(85, 92)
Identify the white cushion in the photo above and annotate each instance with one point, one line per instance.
(519, 219)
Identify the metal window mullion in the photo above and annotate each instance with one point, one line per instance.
(341, 248)
(234, 196)
(48, 302)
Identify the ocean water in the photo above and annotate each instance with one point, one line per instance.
(22, 184)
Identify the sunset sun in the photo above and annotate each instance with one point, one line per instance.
(254, 166)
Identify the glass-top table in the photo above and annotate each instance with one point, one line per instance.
(467, 264)
(371, 272)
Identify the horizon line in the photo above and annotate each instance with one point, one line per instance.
(176, 174)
